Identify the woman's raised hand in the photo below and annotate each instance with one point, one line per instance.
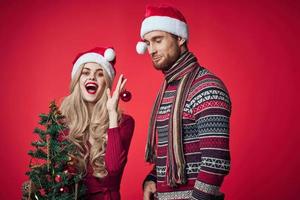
(113, 100)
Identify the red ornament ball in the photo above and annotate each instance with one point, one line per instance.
(57, 178)
(125, 96)
(42, 191)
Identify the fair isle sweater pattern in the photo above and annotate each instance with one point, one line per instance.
(205, 134)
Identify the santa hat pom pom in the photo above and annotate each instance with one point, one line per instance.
(109, 54)
(141, 47)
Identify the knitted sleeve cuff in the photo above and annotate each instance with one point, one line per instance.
(206, 191)
(196, 194)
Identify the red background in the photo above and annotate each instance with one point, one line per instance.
(252, 46)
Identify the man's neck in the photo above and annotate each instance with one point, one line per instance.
(165, 71)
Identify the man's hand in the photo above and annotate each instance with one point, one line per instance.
(149, 189)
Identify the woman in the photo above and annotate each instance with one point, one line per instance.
(101, 133)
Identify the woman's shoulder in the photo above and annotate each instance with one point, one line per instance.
(127, 126)
(127, 119)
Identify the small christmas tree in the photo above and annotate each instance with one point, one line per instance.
(53, 173)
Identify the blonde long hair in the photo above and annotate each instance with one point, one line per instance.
(82, 126)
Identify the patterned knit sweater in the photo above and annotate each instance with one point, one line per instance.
(205, 136)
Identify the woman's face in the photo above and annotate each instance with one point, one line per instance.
(92, 82)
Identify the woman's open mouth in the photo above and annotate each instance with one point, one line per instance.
(91, 87)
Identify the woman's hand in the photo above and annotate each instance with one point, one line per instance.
(113, 102)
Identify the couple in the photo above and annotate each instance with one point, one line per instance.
(190, 118)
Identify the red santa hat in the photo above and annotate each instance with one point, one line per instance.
(105, 57)
(162, 18)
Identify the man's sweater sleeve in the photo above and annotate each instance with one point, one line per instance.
(212, 110)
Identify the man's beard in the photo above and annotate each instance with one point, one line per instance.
(166, 64)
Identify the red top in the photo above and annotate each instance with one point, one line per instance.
(118, 142)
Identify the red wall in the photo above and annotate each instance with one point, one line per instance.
(253, 47)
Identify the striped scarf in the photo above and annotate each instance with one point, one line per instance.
(185, 70)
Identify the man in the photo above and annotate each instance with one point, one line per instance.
(190, 118)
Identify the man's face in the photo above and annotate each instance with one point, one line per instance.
(163, 48)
